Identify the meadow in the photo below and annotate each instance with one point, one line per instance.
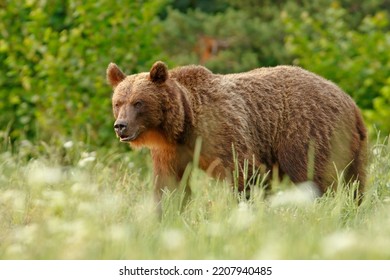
(69, 201)
(87, 197)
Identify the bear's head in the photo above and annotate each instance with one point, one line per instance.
(146, 106)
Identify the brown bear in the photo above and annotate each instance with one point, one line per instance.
(272, 118)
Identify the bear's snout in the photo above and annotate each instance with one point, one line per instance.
(120, 127)
(122, 130)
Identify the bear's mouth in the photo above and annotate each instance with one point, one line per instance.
(129, 138)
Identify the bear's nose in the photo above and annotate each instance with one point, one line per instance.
(120, 126)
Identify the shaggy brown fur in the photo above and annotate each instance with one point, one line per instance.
(272, 116)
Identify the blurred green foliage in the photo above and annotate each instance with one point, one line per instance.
(53, 54)
(344, 41)
(53, 57)
(356, 59)
(237, 40)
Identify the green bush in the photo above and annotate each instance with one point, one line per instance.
(53, 55)
(344, 41)
(244, 42)
(356, 59)
(53, 58)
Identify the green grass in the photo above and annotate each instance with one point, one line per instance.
(68, 202)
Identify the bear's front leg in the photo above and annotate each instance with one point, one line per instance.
(165, 175)
(171, 183)
(163, 182)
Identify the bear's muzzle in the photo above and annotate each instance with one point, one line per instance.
(121, 128)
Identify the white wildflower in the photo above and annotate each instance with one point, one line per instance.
(13, 198)
(86, 208)
(214, 229)
(68, 144)
(16, 251)
(40, 174)
(270, 251)
(117, 233)
(302, 195)
(85, 161)
(87, 158)
(172, 239)
(242, 218)
(56, 199)
(84, 188)
(339, 242)
(26, 234)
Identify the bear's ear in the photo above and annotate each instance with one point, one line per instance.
(114, 75)
(159, 72)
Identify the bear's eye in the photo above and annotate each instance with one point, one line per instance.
(137, 104)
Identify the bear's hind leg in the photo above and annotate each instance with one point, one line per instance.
(297, 161)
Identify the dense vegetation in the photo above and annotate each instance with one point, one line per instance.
(344, 41)
(53, 55)
(53, 60)
(74, 203)
(68, 189)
